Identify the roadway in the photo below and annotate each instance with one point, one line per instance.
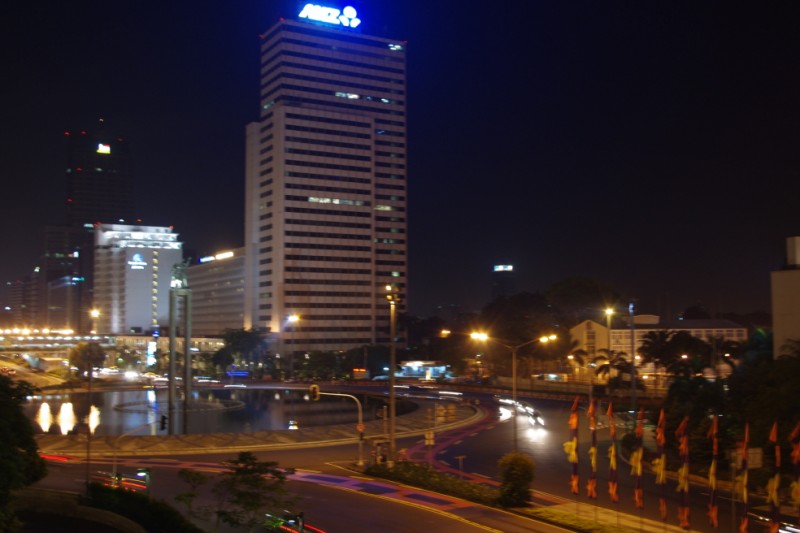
(472, 452)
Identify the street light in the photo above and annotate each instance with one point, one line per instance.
(609, 314)
(631, 312)
(392, 297)
(291, 320)
(94, 314)
(484, 337)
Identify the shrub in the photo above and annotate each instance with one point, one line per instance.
(423, 476)
(516, 474)
(153, 515)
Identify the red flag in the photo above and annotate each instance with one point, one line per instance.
(661, 464)
(636, 462)
(743, 479)
(713, 506)
(773, 485)
(571, 448)
(591, 485)
(612, 455)
(794, 439)
(683, 473)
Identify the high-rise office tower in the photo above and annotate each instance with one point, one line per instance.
(99, 178)
(99, 188)
(325, 206)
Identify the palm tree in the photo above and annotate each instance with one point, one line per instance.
(609, 360)
(656, 346)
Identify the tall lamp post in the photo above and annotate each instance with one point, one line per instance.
(94, 314)
(393, 297)
(609, 314)
(631, 309)
(483, 337)
(291, 320)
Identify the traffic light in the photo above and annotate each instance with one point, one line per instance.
(163, 422)
(313, 391)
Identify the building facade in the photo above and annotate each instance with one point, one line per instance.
(99, 178)
(217, 285)
(99, 188)
(785, 288)
(325, 206)
(592, 336)
(133, 273)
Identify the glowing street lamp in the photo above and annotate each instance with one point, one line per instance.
(484, 337)
(291, 321)
(94, 314)
(393, 297)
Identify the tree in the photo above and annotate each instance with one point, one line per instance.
(22, 465)
(222, 359)
(249, 490)
(195, 480)
(516, 474)
(86, 356)
(246, 346)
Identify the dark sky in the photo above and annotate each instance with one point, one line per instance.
(654, 146)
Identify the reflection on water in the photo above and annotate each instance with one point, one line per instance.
(139, 412)
(94, 418)
(66, 418)
(44, 418)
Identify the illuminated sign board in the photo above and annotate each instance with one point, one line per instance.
(347, 17)
(503, 268)
(137, 262)
(221, 255)
(103, 148)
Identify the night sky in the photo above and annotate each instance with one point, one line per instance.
(653, 146)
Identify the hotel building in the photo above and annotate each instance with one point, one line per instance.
(133, 272)
(325, 200)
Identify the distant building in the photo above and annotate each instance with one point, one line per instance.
(99, 178)
(326, 198)
(592, 336)
(786, 299)
(217, 285)
(133, 272)
(99, 188)
(503, 281)
(23, 299)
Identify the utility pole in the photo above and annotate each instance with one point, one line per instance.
(631, 309)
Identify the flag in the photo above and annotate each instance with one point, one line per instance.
(775, 482)
(713, 505)
(591, 485)
(660, 464)
(571, 447)
(636, 462)
(683, 473)
(612, 455)
(794, 439)
(742, 479)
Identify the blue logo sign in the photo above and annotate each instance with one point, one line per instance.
(137, 262)
(347, 17)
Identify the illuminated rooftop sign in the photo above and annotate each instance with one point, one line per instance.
(221, 255)
(503, 268)
(347, 17)
(103, 148)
